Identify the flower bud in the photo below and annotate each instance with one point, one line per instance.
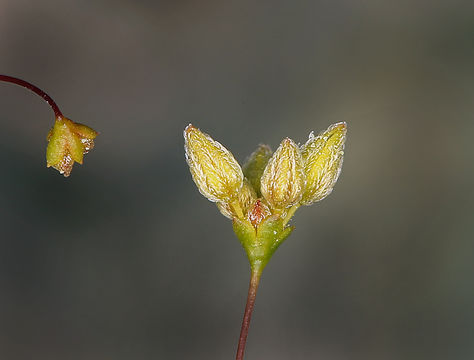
(283, 179)
(216, 173)
(68, 142)
(245, 199)
(323, 155)
(255, 165)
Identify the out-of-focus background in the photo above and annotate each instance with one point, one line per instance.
(126, 260)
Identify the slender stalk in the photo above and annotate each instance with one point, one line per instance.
(290, 213)
(237, 209)
(253, 286)
(10, 79)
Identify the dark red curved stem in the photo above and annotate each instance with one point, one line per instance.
(244, 331)
(36, 90)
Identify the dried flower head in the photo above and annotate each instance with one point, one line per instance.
(68, 142)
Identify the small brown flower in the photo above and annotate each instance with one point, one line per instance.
(258, 213)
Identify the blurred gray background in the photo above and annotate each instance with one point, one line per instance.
(126, 260)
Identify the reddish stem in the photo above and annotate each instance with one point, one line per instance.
(36, 90)
(253, 286)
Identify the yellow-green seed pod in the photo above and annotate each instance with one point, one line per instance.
(283, 179)
(244, 200)
(217, 174)
(323, 155)
(255, 165)
(68, 142)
